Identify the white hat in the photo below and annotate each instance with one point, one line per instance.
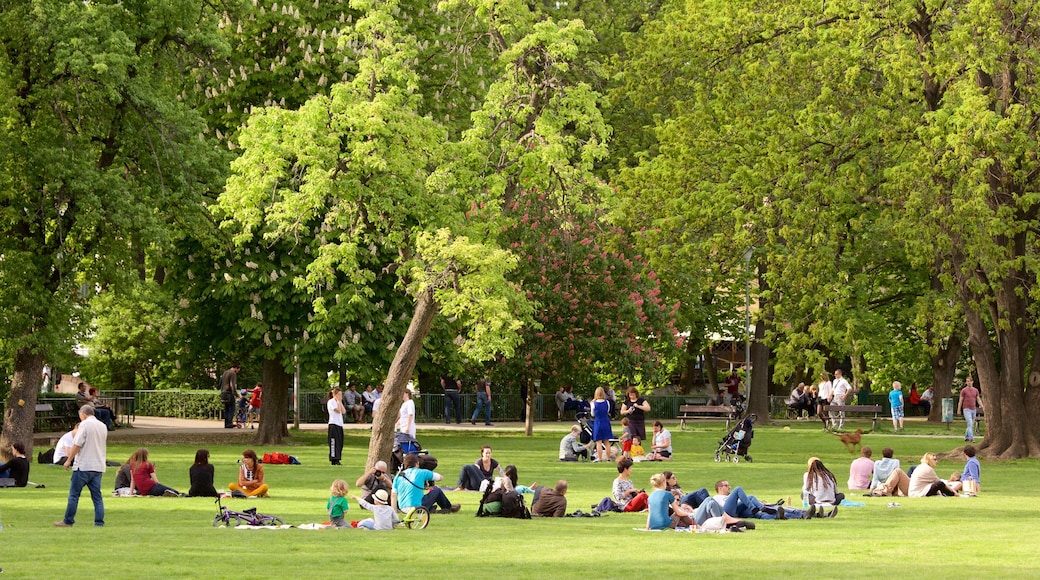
(381, 497)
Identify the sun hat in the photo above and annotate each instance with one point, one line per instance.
(380, 497)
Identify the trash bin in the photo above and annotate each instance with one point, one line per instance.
(947, 410)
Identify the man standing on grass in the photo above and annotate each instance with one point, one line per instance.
(87, 461)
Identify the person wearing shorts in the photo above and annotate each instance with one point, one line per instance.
(895, 399)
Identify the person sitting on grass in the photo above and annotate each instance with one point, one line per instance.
(624, 492)
(201, 476)
(883, 469)
(384, 517)
(972, 474)
(250, 476)
(478, 475)
(820, 489)
(337, 505)
(15, 473)
(924, 482)
(143, 478)
(571, 448)
(411, 483)
(663, 510)
(861, 470)
(661, 445)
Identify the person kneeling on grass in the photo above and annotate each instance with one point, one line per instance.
(250, 476)
(383, 517)
(411, 483)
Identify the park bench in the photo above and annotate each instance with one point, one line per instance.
(56, 416)
(706, 412)
(873, 411)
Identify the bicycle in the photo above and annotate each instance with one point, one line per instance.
(416, 518)
(229, 517)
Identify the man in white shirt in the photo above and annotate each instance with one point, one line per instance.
(406, 416)
(87, 461)
(64, 446)
(840, 390)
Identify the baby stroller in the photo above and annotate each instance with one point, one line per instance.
(405, 444)
(737, 441)
(584, 419)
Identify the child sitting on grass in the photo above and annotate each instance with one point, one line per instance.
(337, 505)
(637, 449)
(384, 516)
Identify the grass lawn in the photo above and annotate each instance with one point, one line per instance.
(988, 536)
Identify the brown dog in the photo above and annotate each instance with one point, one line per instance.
(851, 440)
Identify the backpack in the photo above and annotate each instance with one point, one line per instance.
(606, 505)
(513, 506)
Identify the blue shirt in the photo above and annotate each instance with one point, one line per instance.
(408, 495)
(658, 502)
(972, 470)
(896, 398)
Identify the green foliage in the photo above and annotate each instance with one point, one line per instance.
(181, 404)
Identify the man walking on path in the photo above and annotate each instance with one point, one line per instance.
(969, 402)
(228, 390)
(484, 402)
(87, 461)
(452, 398)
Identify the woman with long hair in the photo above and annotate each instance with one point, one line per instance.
(143, 478)
(250, 476)
(820, 489)
(201, 476)
(601, 431)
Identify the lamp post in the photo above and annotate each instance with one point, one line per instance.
(747, 318)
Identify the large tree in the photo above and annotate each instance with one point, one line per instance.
(96, 152)
(354, 174)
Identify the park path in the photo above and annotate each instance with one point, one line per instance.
(150, 426)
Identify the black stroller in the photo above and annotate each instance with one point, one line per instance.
(737, 441)
(405, 444)
(584, 419)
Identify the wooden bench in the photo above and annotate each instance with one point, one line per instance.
(55, 417)
(874, 411)
(705, 412)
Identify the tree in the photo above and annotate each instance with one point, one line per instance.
(360, 163)
(95, 148)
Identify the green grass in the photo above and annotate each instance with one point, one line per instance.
(988, 536)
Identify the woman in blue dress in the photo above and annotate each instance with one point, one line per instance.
(601, 432)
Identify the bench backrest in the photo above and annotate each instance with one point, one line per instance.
(44, 407)
(854, 408)
(705, 409)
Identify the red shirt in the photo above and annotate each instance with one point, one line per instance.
(143, 478)
(969, 395)
(255, 400)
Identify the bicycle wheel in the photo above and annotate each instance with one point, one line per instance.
(271, 521)
(219, 520)
(417, 518)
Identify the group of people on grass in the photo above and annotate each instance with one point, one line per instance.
(885, 477)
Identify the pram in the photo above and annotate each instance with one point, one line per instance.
(405, 444)
(737, 441)
(583, 419)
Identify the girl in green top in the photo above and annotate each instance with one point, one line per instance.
(337, 506)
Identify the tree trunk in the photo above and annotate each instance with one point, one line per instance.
(275, 410)
(382, 441)
(1010, 434)
(944, 367)
(686, 381)
(528, 416)
(758, 402)
(710, 372)
(20, 409)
